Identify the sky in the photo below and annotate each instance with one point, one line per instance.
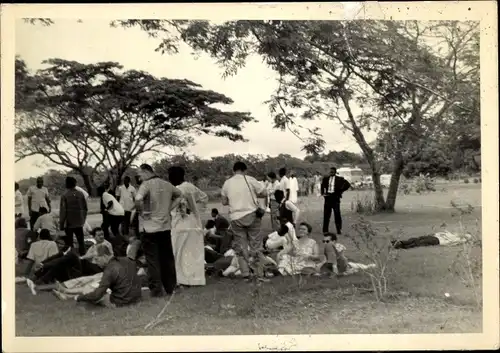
(93, 41)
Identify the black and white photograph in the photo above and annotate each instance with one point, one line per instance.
(250, 170)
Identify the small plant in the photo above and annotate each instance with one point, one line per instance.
(466, 180)
(405, 188)
(424, 183)
(363, 205)
(377, 249)
(476, 180)
(467, 266)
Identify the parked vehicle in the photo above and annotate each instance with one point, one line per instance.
(352, 175)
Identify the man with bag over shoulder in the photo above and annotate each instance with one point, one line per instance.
(240, 193)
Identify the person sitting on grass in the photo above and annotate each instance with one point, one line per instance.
(336, 261)
(66, 265)
(302, 255)
(284, 237)
(218, 232)
(120, 285)
(440, 238)
(45, 221)
(23, 238)
(234, 267)
(39, 251)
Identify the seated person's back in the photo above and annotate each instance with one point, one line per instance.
(43, 248)
(45, 221)
(23, 237)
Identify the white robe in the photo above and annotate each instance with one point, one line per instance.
(294, 190)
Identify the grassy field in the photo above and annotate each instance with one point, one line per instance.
(308, 306)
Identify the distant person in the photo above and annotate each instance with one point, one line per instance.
(294, 188)
(317, 184)
(46, 221)
(187, 231)
(125, 194)
(38, 196)
(19, 199)
(439, 238)
(273, 205)
(24, 237)
(284, 184)
(154, 202)
(72, 215)
(332, 188)
(240, 193)
(114, 217)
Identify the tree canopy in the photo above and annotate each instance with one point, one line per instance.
(94, 117)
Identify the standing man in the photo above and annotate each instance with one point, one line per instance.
(272, 186)
(114, 215)
(19, 211)
(332, 188)
(284, 183)
(72, 215)
(125, 194)
(38, 196)
(240, 193)
(153, 201)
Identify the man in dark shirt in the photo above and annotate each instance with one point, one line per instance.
(121, 278)
(218, 232)
(73, 215)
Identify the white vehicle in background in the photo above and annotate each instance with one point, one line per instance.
(368, 181)
(352, 175)
(385, 180)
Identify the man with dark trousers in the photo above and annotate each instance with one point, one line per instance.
(332, 188)
(72, 215)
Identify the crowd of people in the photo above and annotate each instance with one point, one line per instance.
(152, 236)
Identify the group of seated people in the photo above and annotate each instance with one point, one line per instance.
(286, 252)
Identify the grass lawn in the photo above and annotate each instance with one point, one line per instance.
(299, 306)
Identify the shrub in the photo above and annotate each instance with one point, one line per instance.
(476, 180)
(376, 248)
(424, 183)
(363, 205)
(405, 188)
(466, 181)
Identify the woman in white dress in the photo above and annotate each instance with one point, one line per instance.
(187, 231)
(317, 184)
(301, 255)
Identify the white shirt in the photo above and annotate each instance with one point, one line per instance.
(19, 202)
(85, 193)
(242, 197)
(284, 184)
(38, 197)
(294, 189)
(127, 197)
(331, 184)
(447, 238)
(117, 209)
(271, 188)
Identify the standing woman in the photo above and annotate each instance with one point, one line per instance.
(187, 231)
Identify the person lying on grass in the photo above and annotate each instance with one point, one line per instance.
(66, 265)
(336, 261)
(302, 255)
(440, 238)
(120, 284)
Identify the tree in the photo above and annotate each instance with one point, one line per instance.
(94, 117)
(405, 76)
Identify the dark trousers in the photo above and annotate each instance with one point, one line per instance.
(426, 240)
(160, 262)
(126, 223)
(118, 241)
(105, 226)
(63, 267)
(332, 203)
(211, 256)
(68, 239)
(33, 217)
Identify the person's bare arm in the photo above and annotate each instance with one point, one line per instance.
(47, 199)
(224, 198)
(30, 199)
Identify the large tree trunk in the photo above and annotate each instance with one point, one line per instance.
(392, 194)
(88, 180)
(378, 190)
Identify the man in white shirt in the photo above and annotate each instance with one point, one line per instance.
(38, 196)
(125, 194)
(240, 193)
(284, 183)
(19, 201)
(115, 214)
(294, 188)
(153, 201)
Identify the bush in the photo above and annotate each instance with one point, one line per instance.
(476, 180)
(376, 248)
(424, 183)
(213, 194)
(405, 188)
(466, 181)
(364, 205)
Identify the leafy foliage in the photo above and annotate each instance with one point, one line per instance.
(94, 117)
